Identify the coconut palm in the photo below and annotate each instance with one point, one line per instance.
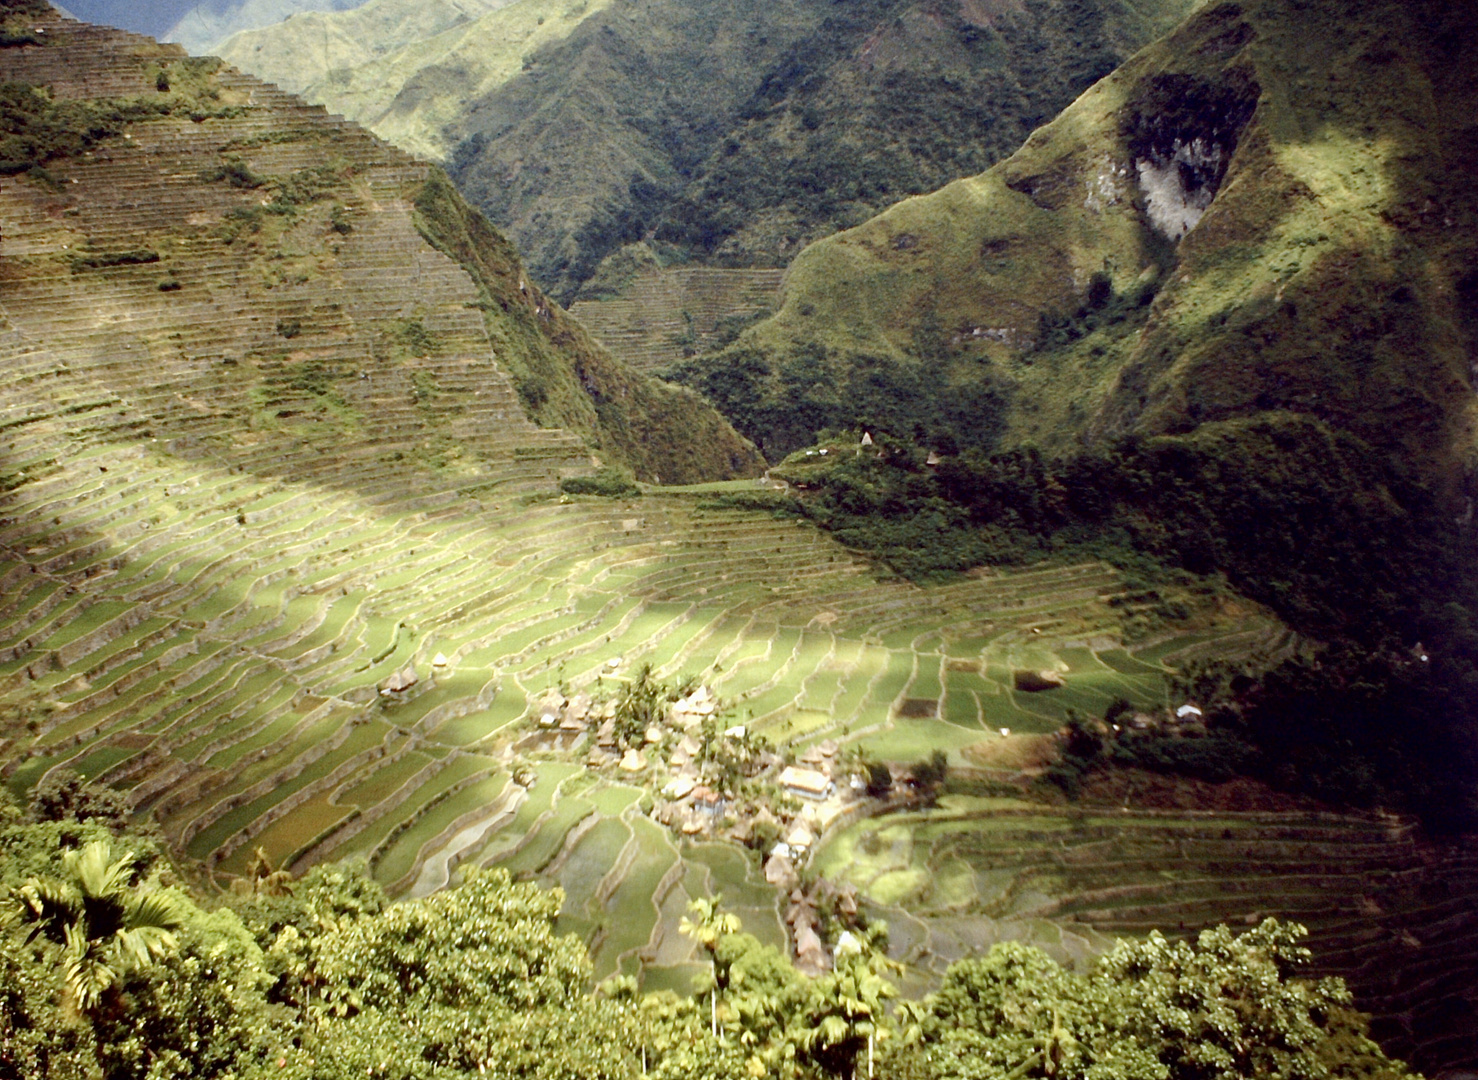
(103, 923)
(705, 924)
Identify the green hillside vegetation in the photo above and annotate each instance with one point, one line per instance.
(283, 206)
(1045, 277)
(287, 566)
(733, 132)
(844, 127)
(1210, 312)
(114, 969)
(296, 52)
(583, 127)
(407, 71)
(564, 378)
(416, 96)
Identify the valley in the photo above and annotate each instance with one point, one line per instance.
(327, 534)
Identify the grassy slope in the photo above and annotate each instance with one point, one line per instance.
(846, 127)
(580, 151)
(672, 122)
(565, 378)
(1323, 279)
(406, 70)
(725, 131)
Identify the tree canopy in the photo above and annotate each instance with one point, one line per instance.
(110, 968)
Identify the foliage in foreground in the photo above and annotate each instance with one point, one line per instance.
(322, 978)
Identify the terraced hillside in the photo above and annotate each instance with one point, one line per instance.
(664, 315)
(262, 465)
(313, 282)
(1391, 912)
(282, 558)
(260, 456)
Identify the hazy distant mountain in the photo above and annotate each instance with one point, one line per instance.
(405, 68)
(202, 27)
(152, 17)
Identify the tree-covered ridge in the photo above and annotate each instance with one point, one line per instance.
(735, 132)
(322, 978)
(844, 127)
(1052, 281)
(726, 131)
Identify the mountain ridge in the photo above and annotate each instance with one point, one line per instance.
(1054, 269)
(585, 127)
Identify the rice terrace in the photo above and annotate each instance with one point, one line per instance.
(285, 561)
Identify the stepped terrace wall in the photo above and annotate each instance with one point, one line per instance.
(1390, 910)
(663, 316)
(201, 251)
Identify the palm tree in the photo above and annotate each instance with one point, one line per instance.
(708, 926)
(104, 924)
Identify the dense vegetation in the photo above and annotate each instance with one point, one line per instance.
(847, 124)
(1346, 548)
(1280, 395)
(724, 132)
(113, 968)
(565, 379)
(735, 132)
(36, 130)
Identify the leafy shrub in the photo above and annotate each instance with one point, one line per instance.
(102, 259)
(608, 482)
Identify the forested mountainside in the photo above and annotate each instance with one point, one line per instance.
(1232, 224)
(726, 132)
(251, 228)
(1220, 309)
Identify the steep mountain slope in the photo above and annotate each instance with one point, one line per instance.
(680, 119)
(1271, 209)
(406, 69)
(1219, 311)
(228, 220)
(842, 129)
(723, 131)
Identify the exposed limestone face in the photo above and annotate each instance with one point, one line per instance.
(1173, 203)
(1269, 210)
